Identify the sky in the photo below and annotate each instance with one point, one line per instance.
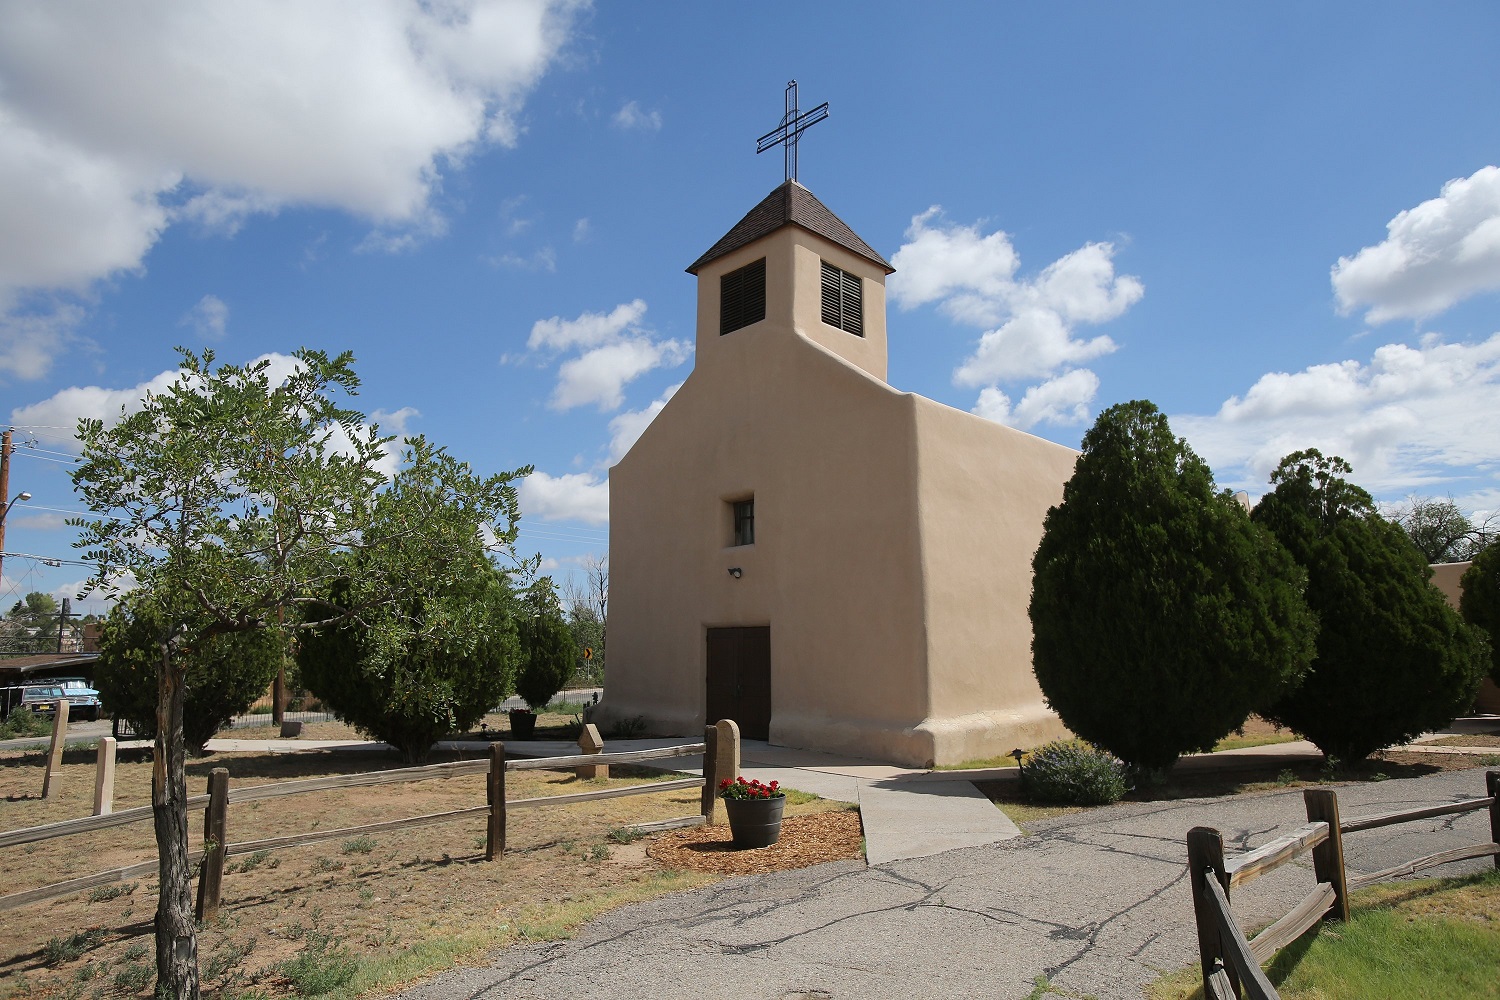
(1279, 222)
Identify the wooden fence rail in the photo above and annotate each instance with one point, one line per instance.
(1230, 963)
(720, 750)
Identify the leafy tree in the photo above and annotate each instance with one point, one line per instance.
(1441, 531)
(1393, 658)
(227, 498)
(1480, 601)
(547, 650)
(224, 674)
(31, 625)
(434, 663)
(1161, 615)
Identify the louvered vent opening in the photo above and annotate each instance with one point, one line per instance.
(843, 300)
(742, 297)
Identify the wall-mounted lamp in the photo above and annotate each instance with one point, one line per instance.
(735, 572)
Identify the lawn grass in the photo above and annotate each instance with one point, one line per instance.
(1407, 940)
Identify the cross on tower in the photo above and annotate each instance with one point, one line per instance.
(793, 124)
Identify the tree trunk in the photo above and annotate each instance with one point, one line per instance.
(176, 935)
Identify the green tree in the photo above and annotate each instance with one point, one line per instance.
(548, 653)
(228, 498)
(1393, 658)
(1161, 616)
(224, 674)
(31, 625)
(414, 671)
(1480, 601)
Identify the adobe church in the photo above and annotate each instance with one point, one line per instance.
(799, 546)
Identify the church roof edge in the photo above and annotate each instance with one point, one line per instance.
(790, 204)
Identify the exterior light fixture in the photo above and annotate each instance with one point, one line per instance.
(735, 572)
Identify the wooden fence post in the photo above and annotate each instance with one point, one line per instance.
(104, 777)
(1492, 789)
(494, 790)
(726, 756)
(59, 737)
(1328, 857)
(215, 823)
(710, 757)
(1205, 847)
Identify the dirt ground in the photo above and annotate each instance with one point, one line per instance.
(399, 905)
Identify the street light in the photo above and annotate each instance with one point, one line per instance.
(6, 511)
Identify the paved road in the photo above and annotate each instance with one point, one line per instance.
(1096, 902)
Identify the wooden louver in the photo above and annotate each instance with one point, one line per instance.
(742, 297)
(843, 300)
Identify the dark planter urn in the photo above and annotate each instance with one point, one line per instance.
(755, 822)
(522, 724)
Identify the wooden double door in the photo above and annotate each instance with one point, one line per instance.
(739, 678)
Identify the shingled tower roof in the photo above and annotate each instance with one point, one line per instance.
(791, 204)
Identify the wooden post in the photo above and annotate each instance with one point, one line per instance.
(1205, 847)
(215, 823)
(1492, 789)
(589, 741)
(710, 790)
(104, 777)
(59, 737)
(494, 790)
(1328, 857)
(726, 757)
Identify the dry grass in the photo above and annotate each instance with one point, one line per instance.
(403, 904)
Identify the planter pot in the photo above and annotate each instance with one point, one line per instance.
(755, 822)
(522, 724)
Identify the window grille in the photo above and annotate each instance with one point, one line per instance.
(744, 522)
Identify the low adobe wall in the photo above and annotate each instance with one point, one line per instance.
(1446, 577)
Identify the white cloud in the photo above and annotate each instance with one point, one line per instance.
(544, 259)
(581, 231)
(1435, 255)
(599, 376)
(29, 341)
(120, 119)
(573, 497)
(626, 429)
(971, 277)
(588, 330)
(209, 317)
(631, 117)
(36, 522)
(1063, 400)
(615, 349)
(1408, 419)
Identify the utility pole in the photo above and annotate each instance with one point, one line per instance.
(5, 449)
(62, 622)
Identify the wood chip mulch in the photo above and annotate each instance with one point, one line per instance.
(805, 840)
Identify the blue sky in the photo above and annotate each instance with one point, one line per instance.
(1280, 222)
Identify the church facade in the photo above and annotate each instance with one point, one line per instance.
(796, 545)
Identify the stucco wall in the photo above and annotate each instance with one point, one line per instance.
(984, 492)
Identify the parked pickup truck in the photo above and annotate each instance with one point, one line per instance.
(83, 701)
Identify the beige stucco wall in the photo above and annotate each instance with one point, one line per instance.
(893, 537)
(1447, 577)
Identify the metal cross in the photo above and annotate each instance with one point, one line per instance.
(793, 124)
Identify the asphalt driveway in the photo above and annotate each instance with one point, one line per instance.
(1096, 902)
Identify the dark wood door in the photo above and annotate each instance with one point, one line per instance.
(739, 679)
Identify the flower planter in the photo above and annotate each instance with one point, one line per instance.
(755, 822)
(522, 724)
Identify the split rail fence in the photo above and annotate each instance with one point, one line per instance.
(721, 757)
(1231, 964)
